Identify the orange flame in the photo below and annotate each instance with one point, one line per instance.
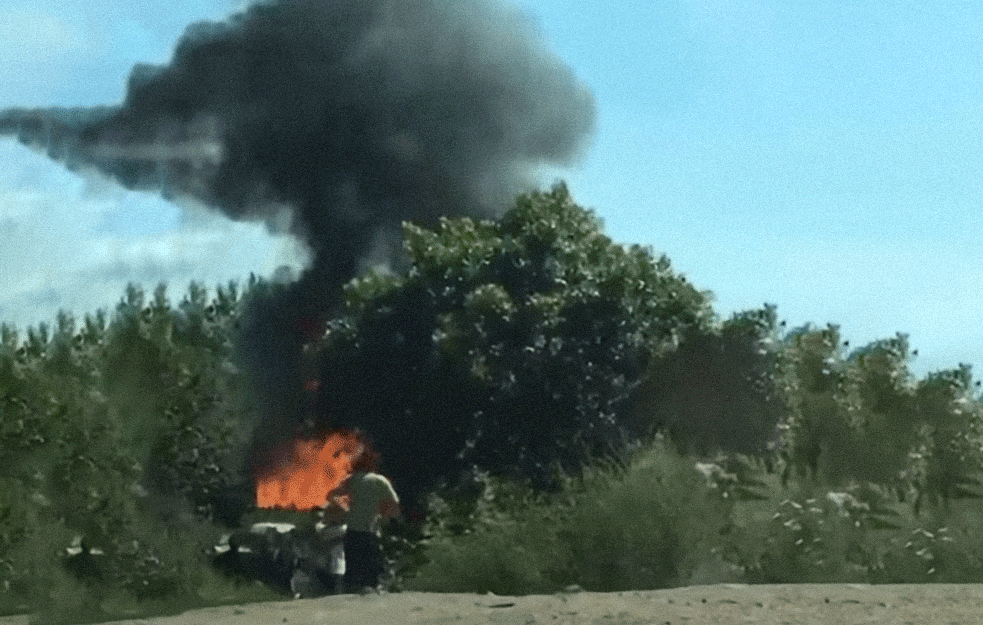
(314, 468)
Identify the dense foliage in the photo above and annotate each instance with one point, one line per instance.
(717, 390)
(863, 418)
(116, 436)
(633, 528)
(512, 346)
(531, 347)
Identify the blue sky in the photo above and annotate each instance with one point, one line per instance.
(821, 156)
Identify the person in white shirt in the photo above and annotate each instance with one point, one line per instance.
(372, 499)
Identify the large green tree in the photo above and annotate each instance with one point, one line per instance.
(513, 346)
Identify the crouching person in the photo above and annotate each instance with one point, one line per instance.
(331, 536)
(372, 499)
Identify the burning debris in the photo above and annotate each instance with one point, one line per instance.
(336, 120)
(310, 470)
(306, 554)
(299, 560)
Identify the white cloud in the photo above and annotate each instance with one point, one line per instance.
(66, 244)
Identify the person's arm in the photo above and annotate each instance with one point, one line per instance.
(389, 508)
(389, 500)
(341, 496)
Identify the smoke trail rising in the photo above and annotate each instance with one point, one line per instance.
(346, 116)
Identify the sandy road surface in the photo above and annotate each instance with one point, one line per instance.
(828, 604)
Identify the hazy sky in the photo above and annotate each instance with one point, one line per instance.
(821, 156)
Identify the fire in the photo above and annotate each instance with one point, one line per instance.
(313, 469)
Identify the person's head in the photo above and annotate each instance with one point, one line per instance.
(367, 460)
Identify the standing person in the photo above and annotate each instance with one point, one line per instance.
(371, 498)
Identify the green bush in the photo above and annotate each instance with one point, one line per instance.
(610, 529)
(634, 528)
(826, 538)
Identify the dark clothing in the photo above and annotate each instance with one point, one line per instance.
(364, 560)
(332, 583)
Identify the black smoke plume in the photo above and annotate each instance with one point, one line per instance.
(346, 117)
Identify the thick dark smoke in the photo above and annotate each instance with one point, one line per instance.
(350, 116)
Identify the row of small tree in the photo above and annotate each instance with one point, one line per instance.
(863, 418)
(116, 435)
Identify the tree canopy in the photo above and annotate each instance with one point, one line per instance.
(513, 346)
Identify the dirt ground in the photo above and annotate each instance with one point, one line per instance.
(733, 604)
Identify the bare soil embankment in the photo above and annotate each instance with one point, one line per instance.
(805, 604)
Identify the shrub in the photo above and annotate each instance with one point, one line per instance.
(610, 529)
